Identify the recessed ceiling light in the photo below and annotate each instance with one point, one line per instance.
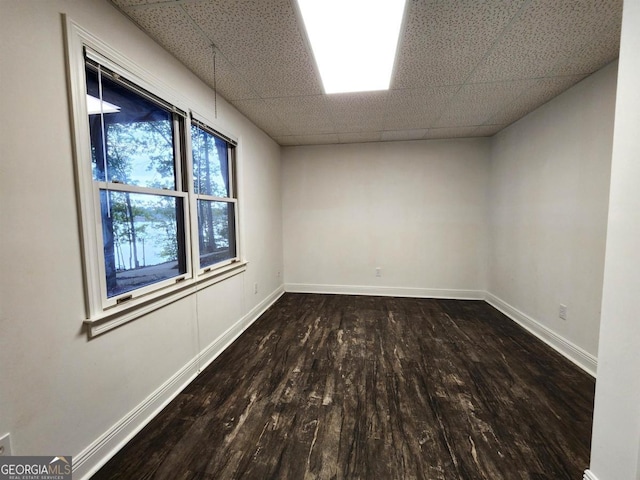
(354, 42)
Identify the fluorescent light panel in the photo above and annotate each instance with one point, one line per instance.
(354, 41)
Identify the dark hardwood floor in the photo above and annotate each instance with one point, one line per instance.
(347, 387)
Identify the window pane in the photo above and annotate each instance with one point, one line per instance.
(210, 163)
(138, 136)
(142, 237)
(216, 232)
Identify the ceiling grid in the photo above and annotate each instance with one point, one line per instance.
(464, 68)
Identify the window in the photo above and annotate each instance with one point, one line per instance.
(213, 168)
(157, 188)
(135, 161)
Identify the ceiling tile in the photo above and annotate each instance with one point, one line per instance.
(444, 41)
(171, 27)
(324, 139)
(475, 104)
(303, 115)
(262, 115)
(357, 112)
(127, 3)
(287, 140)
(262, 40)
(538, 92)
(227, 80)
(544, 37)
(416, 108)
(450, 132)
(487, 130)
(593, 53)
(360, 137)
(399, 135)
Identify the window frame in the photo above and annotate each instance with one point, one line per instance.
(103, 313)
(197, 121)
(179, 120)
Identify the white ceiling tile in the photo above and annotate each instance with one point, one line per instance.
(357, 112)
(444, 41)
(323, 139)
(360, 137)
(262, 40)
(451, 132)
(544, 37)
(475, 104)
(303, 115)
(487, 130)
(538, 92)
(416, 108)
(227, 80)
(262, 115)
(127, 3)
(399, 135)
(287, 140)
(170, 26)
(593, 53)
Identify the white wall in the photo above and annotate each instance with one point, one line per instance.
(415, 209)
(616, 428)
(522, 215)
(418, 210)
(59, 391)
(549, 195)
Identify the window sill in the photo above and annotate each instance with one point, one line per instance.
(109, 320)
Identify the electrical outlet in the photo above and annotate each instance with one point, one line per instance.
(562, 312)
(378, 272)
(5, 446)
(255, 288)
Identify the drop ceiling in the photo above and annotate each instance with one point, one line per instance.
(464, 68)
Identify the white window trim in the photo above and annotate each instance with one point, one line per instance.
(109, 320)
(199, 118)
(146, 292)
(102, 316)
(232, 198)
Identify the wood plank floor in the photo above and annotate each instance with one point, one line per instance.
(348, 387)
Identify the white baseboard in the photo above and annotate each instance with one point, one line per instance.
(589, 475)
(210, 353)
(385, 291)
(107, 445)
(577, 355)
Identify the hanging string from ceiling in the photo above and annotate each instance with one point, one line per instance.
(215, 86)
